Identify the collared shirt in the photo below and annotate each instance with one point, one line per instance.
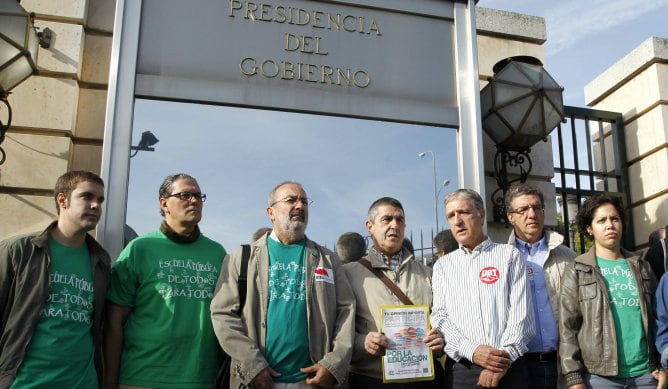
(547, 335)
(481, 298)
(394, 261)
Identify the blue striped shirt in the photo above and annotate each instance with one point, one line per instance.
(547, 333)
(482, 298)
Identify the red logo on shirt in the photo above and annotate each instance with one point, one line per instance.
(323, 274)
(489, 275)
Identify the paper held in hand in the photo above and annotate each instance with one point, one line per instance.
(407, 358)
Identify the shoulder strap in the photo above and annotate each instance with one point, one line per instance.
(393, 287)
(245, 257)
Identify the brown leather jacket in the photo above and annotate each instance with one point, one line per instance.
(587, 337)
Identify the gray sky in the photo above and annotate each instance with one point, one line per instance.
(239, 155)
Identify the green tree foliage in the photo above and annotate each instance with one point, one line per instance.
(577, 238)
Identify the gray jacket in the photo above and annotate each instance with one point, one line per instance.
(412, 278)
(26, 260)
(558, 257)
(588, 340)
(330, 311)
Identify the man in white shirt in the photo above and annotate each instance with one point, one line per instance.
(481, 302)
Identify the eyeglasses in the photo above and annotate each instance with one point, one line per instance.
(187, 196)
(523, 210)
(292, 200)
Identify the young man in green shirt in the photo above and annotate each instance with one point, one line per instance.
(53, 286)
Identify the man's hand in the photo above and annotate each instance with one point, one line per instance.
(264, 379)
(490, 379)
(318, 375)
(661, 376)
(578, 386)
(491, 358)
(375, 344)
(435, 341)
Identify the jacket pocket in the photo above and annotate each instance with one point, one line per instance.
(587, 289)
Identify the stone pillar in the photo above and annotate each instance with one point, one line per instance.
(637, 86)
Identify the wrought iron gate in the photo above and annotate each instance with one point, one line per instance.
(589, 152)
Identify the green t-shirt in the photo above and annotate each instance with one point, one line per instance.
(287, 342)
(632, 354)
(60, 352)
(169, 340)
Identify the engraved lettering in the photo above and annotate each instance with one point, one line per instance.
(302, 17)
(324, 74)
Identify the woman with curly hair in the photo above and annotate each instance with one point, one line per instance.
(606, 321)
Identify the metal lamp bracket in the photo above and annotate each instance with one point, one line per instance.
(504, 159)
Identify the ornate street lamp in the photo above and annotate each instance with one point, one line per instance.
(520, 106)
(19, 42)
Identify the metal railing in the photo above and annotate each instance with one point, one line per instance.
(589, 158)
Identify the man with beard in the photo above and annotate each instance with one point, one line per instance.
(390, 257)
(296, 326)
(158, 332)
(53, 286)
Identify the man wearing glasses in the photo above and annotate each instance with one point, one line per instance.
(296, 327)
(158, 332)
(546, 257)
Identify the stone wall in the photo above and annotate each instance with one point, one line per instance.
(58, 114)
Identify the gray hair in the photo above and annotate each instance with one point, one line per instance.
(373, 209)
(521, 190)
(272, 195)
(466, 194)
(168, 184)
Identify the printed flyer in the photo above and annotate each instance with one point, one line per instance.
(407, 358)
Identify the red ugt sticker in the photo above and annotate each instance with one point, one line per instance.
(489, 275)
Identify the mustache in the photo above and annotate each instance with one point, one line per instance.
(299, 213)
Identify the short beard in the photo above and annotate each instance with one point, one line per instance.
(293, 229)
